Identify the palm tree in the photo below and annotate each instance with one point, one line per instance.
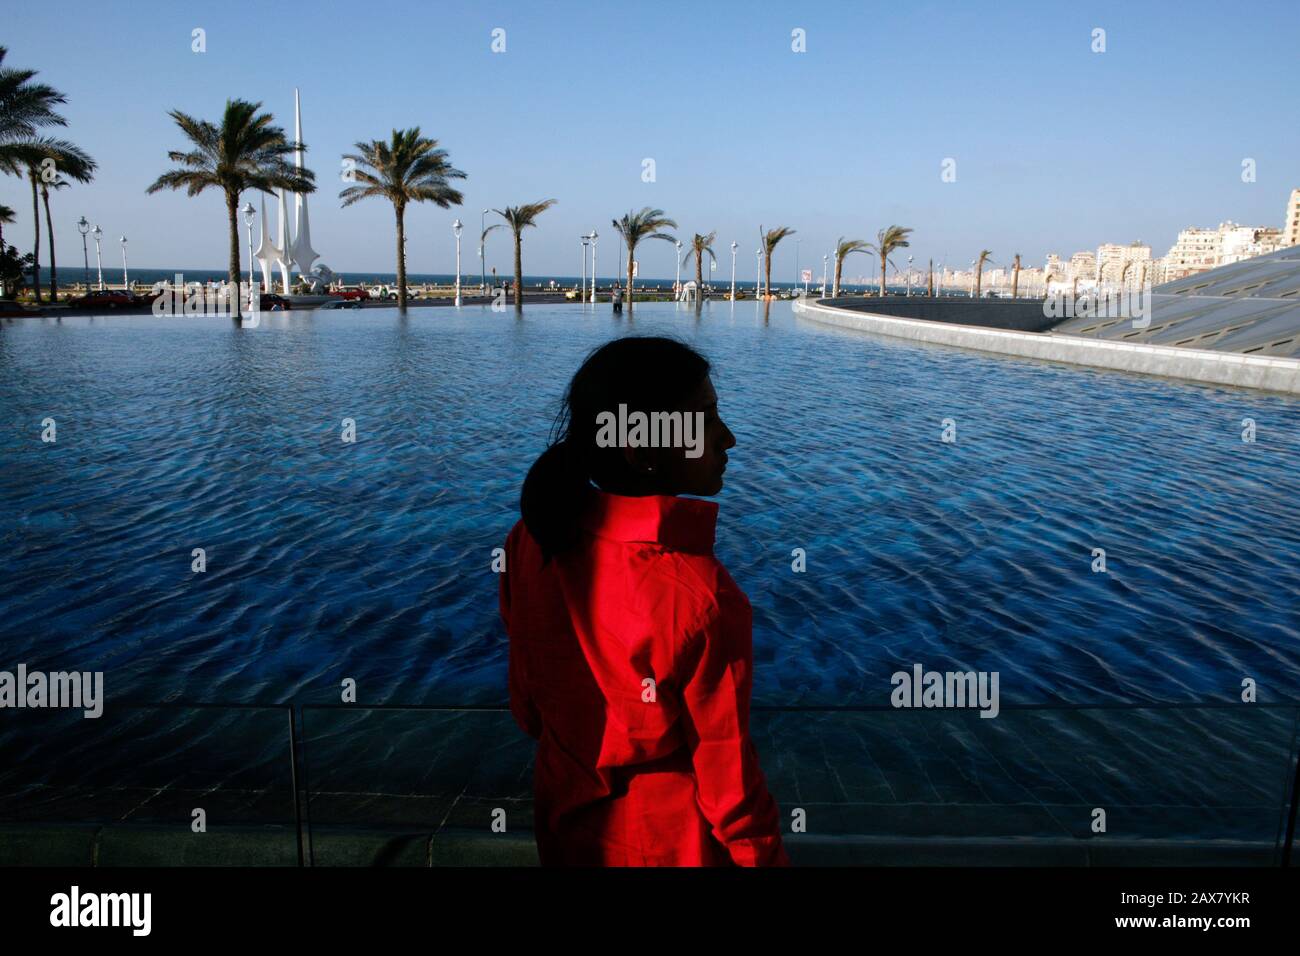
(244, 152)
(887, 240)
(985, 256)
(408, 168)
(771, 239)
(72, 162)
(6, 216)
(519, 218)
(1015, 276)
(842, 249)
(699, 246)
(25, 107)
(930, 280)
(636, 226)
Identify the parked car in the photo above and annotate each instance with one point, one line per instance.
(106, 299)
(270, 302)
(352, 294)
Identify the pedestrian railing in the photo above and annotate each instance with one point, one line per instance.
(306, 784)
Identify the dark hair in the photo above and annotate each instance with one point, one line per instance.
(645, 373)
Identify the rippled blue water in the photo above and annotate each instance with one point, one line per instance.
(370, 560)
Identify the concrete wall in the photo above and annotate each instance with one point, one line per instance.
(1219, 368)
(1021, 315)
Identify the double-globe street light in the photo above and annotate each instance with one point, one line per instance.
(249, 212)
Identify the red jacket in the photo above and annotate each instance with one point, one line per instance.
(631, 661)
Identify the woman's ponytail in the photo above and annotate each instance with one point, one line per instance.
(555, 494)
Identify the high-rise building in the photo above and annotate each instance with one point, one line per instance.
(1291, 224)
(1113, 258)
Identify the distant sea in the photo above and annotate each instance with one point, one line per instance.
(147, 277)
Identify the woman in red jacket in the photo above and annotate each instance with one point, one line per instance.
(630, 645)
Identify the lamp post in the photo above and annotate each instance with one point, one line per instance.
(249, 213)
(83, 227)
(456, 228)
(594, 236)
(734, 247)
(677, 283)
(582, 296)
(826, 260)
(909, 276)
(972, 278)
(482, 251)
(99, 262)
(758, 281)
(126, 282)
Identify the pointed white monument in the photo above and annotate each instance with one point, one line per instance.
(284, 252)
(300, 253)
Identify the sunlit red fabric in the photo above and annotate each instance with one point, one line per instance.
(619, 780)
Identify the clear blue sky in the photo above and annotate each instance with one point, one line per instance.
(1057, 148)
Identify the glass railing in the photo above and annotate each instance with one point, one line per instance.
(428, 785)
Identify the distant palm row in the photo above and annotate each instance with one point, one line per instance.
(245, 151)
(27, 109)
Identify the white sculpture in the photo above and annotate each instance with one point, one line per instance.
(283, 252)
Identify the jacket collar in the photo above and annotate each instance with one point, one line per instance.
(683, 524)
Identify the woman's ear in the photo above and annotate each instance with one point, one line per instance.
(640, 460)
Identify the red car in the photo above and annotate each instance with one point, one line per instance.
(358, 294)
(106, 299)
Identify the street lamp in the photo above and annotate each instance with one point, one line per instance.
(677, 283)
(126, 282)
(909, 276)
(99, 262)
(734, 247)
(594, 236)
(825, 264)
(582, 296)
(482, 251)
(456, 228)
(758, 281)
(249, 212)
(83, 227)
(972, 278)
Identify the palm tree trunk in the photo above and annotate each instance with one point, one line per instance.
(767, 275)
(232, 214)
(519, 272)
(36, 248)
(631, 252)
(883, 259)
(49, 229)
(400, 212)
(1015, 282)
(979, 275)
(839, 268)
(699, 278)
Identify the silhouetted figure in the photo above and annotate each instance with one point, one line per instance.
(631, 650)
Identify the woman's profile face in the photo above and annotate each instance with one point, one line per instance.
(678, 474)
